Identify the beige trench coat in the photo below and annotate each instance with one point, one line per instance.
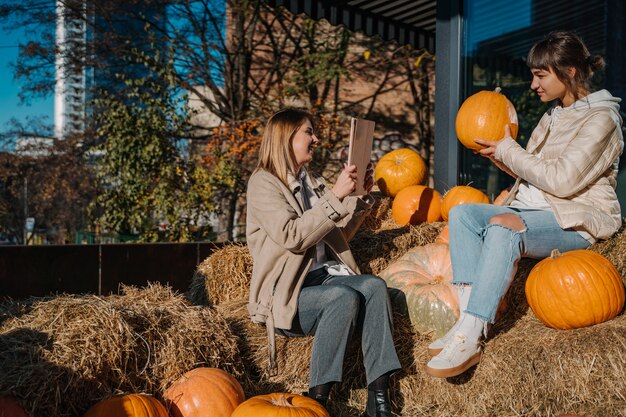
(281, 238)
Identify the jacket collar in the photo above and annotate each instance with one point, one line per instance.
(294, 182)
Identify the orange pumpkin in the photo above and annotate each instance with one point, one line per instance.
(575, 289)
(209, 392)
(129, 405)
(444, 235)
(461, 194)
(484, 116)
(416, 204)
(421, 287)
(279, 405)
(398, 169)
(10, 407)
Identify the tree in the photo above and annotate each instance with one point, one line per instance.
(146, 187)
(49, 180)
(243, 61)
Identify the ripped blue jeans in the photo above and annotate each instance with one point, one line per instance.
(486, 255)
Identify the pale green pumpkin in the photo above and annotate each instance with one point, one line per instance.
(420, 286)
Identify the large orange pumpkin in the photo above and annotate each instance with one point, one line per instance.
(575, 289)
(129, 405)
(416, 204)
(484, 116)
(209, 392)
(399, 169)
(421, 282)
(461, 194)
(279, 405)
(10, 407)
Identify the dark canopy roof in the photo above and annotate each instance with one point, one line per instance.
(406, 21)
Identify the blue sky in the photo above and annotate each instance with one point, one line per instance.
(9, 88)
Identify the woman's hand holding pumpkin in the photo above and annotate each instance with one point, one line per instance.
(346, 182)
(489, 151)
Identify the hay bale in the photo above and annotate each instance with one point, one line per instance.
(375, 250)
(380, 215)
(67, 352)
(527, 368)
(223, 276)
(293, 354)
(614, 249)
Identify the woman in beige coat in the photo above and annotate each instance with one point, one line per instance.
(305, 280)
(564, 195)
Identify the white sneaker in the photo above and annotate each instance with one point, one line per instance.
(437, 346)
(457, 356)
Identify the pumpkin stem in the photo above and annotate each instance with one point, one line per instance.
(281, 401)
(437, 279)
(555, 254)
(498, 89)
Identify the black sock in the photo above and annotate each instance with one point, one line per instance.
(320, 392)
(379, 384)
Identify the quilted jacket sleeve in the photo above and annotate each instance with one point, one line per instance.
(590, 150)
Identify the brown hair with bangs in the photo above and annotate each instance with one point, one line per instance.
(560, 51)
(276, 153)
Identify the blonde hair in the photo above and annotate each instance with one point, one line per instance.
(276, 153)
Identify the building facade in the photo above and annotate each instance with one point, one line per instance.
(90, 59)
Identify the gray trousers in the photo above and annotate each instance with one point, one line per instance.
(331, 308)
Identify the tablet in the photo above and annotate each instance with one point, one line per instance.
(360, 149)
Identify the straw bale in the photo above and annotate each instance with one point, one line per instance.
(527, 369)
(223, 276)
(380, 215)
(614, 249)
(375, 250)
(67, 352)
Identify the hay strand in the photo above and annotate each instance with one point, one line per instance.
(67, 352)
(223, 276)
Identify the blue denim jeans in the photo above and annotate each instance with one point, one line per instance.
(486, 255)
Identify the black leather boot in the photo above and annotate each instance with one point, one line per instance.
(378, 404)
(320, 399)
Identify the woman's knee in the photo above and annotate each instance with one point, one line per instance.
(509, 220)
(344, 296)
(375, 283)
(463, 211)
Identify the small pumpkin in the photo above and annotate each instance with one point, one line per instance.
(575, 289)
(483, 116)
(420, 283)
(209, 392)
(280, 405)
(461, 194)
(416, 204)
(10, 407)
(128, 405)
(398, 169)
